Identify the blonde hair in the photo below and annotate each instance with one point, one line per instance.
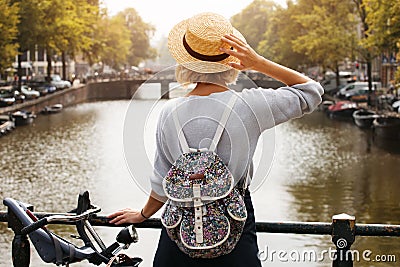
(185, 76)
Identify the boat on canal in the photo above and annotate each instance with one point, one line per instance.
(6, 124)
(364, 118)
(387, 128)
(52, 109)
(22, 117)
(325, 105)
(342, 110)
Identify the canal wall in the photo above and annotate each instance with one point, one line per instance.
(102, 91)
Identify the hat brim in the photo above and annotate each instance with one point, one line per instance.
(182, 57)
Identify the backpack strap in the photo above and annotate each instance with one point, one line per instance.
(220, 128)
(243, 183)
(179, 130)
(223, 121)
(246, 180)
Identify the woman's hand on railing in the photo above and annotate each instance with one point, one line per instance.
(127, 215)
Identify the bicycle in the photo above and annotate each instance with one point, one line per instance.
(59, 251)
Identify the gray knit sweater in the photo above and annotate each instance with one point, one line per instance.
(255, 111)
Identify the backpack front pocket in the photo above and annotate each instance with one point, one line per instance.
(215, 230)
(171, 216)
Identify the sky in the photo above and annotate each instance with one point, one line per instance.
(165, 14)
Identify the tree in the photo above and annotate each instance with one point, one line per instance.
(29, 27)
(9, 33)
(92, 50)
(278, 38)
(113, 41)
(74, 28)
(328, 32)
(66, 25)
(383, 31)
(253, 21)
(140, 33)
(164, 56)
(383, 18)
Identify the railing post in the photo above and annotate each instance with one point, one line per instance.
(165, 89)
(21, 254)
(343, 236)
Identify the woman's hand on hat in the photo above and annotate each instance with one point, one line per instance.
(247, 56)
(127, 215)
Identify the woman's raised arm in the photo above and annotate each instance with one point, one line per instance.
(250, 60)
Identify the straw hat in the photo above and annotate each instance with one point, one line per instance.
(195, 43)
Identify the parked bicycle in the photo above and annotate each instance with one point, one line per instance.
(57, 250)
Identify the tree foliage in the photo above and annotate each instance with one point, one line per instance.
(253, 20)
(139, 33)
(114, 41)
(30, 23)
(277, 43)
(302, 34)
(9, 32)
(383, 18)
(71, 27)
(383, 31)
(328, 35)
(324, 33)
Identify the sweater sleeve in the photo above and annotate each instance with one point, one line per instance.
(161, 162)
(274, 106)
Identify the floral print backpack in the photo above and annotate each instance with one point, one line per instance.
(205, 212)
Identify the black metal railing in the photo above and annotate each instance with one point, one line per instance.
(343, 230)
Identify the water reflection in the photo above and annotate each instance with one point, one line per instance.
(50, 159)
(322, 167)
(342, 171)
(335, 168)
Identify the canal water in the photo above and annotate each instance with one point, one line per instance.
(321, 167)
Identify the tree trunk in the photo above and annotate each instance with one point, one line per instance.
(337, 75)
(49, 55)
(19, 82)
(369, 75)
(64, 66)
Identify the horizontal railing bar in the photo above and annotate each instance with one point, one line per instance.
(377, 230)
(313, 228)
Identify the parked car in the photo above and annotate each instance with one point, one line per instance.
(58, 82)
(330, 85)
(7, 98)
(19, 97)
(29, 92)
(41, 89)
(355, 87)
(40, 84)
(357, 92)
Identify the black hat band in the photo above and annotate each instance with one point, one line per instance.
(202, 57)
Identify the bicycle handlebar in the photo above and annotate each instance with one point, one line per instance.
(34, 226)
(66, 218)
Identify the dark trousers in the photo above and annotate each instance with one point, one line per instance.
(244, 254)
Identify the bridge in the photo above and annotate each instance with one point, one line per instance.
(102, 90)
